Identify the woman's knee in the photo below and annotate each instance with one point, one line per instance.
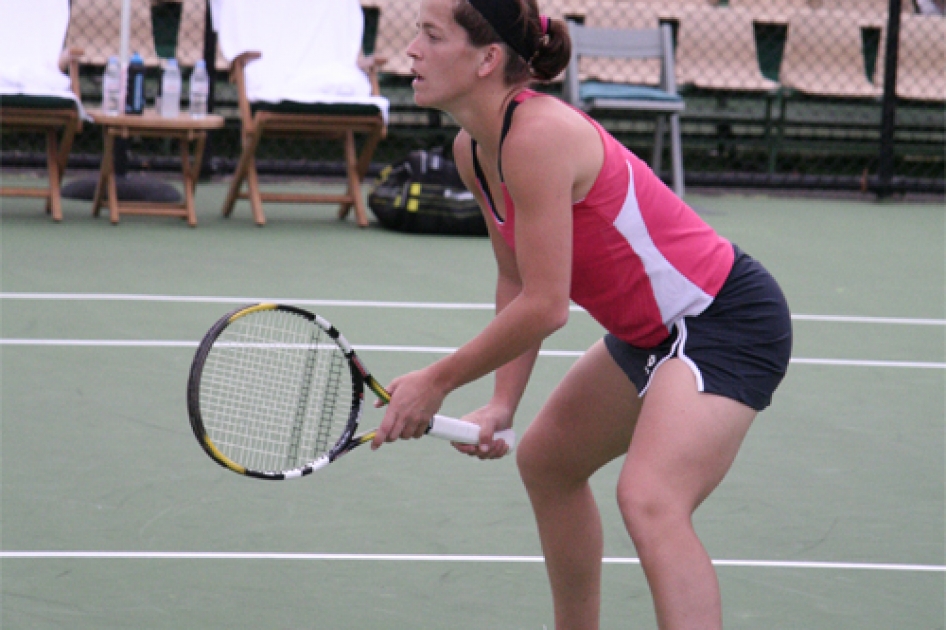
(650, 510)
(546, 456)
(536, 458)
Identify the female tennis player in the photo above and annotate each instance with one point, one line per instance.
(698, 333)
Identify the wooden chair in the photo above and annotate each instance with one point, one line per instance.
(662, 101)
(38, 98)
(301, 40)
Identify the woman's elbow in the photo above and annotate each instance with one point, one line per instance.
(554, 316)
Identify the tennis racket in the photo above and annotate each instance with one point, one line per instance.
(276, 392)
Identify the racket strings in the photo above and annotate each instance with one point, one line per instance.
(276, 392)
(337, 375)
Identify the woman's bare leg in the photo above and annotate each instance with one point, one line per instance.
(684, 443)
(587, 422)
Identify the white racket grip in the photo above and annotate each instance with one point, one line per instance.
(465, 432)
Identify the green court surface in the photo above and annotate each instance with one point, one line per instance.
(112, 517)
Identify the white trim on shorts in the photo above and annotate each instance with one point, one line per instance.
(678, 349)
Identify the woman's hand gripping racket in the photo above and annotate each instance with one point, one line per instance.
(276, 392)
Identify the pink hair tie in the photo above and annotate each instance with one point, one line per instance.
(544, 19)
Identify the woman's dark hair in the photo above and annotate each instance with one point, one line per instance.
(553, 47)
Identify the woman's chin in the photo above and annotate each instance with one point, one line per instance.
(419, 97)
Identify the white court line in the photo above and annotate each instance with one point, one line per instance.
(456, 306)
(571, 354)
(921, 365)
(846, 319)
(359, 557)
(238, 301)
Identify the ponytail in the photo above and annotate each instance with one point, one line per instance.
(552, 51)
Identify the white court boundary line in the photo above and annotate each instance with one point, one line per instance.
(456, 306)
(570, 354)
(360, 557)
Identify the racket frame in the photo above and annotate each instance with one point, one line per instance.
(359, 377)
(441, 426)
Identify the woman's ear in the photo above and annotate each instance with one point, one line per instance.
(492, 58)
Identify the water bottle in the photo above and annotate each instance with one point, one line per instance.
(199, 87)
(112, 87)
(135, 86)
(171, 90)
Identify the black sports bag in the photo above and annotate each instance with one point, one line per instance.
(423, 194)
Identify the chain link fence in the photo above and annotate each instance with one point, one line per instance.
(779, 93)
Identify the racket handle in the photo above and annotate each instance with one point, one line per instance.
(465, 432)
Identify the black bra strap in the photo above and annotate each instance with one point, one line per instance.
(507, 123)
(481, 177)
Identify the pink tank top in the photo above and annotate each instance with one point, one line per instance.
(642, 259)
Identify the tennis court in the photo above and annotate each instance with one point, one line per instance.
(112, 517)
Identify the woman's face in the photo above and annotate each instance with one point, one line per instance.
(444, 62)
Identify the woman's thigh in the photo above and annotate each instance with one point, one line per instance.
(684, 443)
(586, 422)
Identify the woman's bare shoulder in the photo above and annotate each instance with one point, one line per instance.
(541, 123)
(547, 131)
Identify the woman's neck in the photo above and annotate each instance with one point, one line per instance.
(482, 116)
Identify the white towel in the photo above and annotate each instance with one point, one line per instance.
(309, 49)
(31, 39)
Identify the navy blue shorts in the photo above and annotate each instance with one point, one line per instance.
(739, 347)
